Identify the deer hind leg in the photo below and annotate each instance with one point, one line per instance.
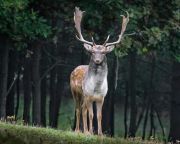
(77, 109)
(78, 114)
(99, 105)
(91, 115)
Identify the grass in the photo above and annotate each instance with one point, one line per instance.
(19, 134)
(66, 119)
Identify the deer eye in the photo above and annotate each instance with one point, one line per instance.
(104, 52)
(93, 52)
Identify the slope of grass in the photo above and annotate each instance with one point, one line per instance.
(18, 134)
(66, 118)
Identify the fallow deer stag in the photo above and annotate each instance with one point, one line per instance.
(89, 82)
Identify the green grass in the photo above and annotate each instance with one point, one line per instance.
(66, 119)
(18, 134)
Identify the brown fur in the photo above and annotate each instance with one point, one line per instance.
(76, 80)
(84, 103)
(79, 77)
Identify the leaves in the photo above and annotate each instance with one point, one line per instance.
(20, 23)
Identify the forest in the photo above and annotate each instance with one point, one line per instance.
(39, 50)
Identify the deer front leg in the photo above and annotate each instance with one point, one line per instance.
(99, 105)
(78, 113)
(91, 115)
(84, 114)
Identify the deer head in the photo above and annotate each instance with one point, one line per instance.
(98, 51)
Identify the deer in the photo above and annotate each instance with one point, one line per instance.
(88, 83)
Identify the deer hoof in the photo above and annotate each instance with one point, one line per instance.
(77, 131)
(87, 133)
(100, 133)
(91, 132)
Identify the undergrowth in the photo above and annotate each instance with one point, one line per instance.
(19, 134)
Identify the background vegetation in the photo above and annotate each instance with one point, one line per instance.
(38, 51)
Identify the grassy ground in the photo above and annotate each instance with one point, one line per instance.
(66, 119)
(18, 134)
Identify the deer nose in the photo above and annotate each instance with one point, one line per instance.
(97, 61)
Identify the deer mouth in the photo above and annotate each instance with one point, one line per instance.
(97, 62)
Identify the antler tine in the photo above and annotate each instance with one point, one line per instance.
(106, 40)
(78, 14)
(93, 41)
(124, 24)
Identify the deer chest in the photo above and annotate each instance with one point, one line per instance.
(95, 85)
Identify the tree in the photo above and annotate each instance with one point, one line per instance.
(175, 82)
(4, 52)
(108, 108)
(44, 87)
(175, 104)
(36, 86)
(27, 88)
(132, 93)
(19, 25)
(12, 76)
(30, 28)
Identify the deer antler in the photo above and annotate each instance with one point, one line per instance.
(124, 24)
(78, 14)
(106, 40)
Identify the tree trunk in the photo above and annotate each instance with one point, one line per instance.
(11, 78)
(150, 103)
(52, 96)
(143, 109)
(125, 111)
(43, 101)
(43, 90)
(57, 90)
(17, 93)
(151, 95)
(4, 54)
(152, 125)
(36, 90)
(108, 106)
(115, 81)
(27, 89)
(19, 64)
(60, 92)
(132, 93)
(161, 125)
(174, 133)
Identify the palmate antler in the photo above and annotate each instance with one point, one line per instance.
(78, 14)
(124, 24)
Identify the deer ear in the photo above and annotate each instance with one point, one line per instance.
(88, 47)
(110, 48)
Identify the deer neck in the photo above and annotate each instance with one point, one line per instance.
(95, 81)
(98, 69)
